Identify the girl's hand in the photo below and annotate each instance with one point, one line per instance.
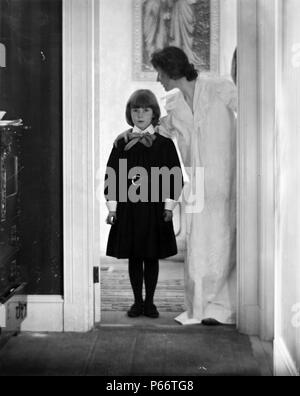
(111, 218)
(168, 215)
(124, 136)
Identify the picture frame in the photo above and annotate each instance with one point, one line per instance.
(158, 23)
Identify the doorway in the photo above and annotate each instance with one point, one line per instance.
(84, 114)
(118, 80)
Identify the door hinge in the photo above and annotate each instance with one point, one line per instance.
(96, 274)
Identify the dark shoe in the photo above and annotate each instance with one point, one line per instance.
(151, 311)
(211, 322)
(135, 310)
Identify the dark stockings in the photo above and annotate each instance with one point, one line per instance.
(137, 272)
(136, 275)
(151, 277)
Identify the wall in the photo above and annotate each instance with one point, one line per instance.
(228, 34)
(116, 83)
(116, 38)
(287, 305)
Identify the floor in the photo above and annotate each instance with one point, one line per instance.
(121, 346)
(116, 292)
(134, 351)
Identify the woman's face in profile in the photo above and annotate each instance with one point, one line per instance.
(165, 80)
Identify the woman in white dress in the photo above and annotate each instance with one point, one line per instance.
(201, 117)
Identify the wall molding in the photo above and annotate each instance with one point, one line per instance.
(247, 170)
(41, 313)
(248, 319)
(267, 133)
(81, 224)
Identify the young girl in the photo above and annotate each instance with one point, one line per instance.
(141, 219)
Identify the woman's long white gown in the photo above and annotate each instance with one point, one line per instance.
(207, 139)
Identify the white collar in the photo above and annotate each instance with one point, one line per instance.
(150, 129)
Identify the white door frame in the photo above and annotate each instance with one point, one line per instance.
(80, 163)
(81, 159)
(267, 100)
(247, 171)
(256, 163)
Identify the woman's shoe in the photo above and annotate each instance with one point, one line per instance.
(211, 322)
(135, 310)
(151, 311)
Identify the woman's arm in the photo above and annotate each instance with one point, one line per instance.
(227, 92)
(165, 128)
(172, 196)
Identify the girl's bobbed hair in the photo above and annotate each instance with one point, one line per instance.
(175, 63)
(143, 98)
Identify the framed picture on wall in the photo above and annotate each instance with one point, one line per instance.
(192, 25)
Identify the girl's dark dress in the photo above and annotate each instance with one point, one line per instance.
(140, 230)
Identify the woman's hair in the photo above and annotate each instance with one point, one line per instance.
(174, 62)
(143, 98)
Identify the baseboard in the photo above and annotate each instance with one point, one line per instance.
(34, 313)
(284, 364)
(248, 320)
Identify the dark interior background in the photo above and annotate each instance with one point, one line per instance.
(31, 89)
